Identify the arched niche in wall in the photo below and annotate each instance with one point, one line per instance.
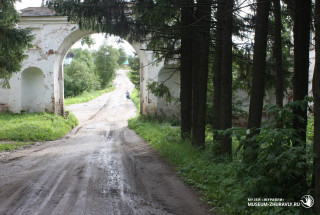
(32, 90)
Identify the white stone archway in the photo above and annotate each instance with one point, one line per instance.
(75, 35)
(54, 36)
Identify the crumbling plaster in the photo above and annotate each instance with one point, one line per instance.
(54, 36)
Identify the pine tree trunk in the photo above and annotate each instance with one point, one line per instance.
(302, 21)
(226, 78)
(316, 94)
(278, 53)
(217, 70)
(258, 79)
(187, 7)
(301, 29)
(200, 71)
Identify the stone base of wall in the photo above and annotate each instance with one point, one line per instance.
(4, 108)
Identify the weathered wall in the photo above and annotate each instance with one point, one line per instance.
(171, 78)
(54, 36)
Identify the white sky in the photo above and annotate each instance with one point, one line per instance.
(99, 38)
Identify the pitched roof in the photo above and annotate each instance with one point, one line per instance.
(37, 11)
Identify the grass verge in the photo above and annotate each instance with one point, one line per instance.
(9, 146)
(33, 127)
(135, 97)
(223, 184)
(88, 96)
(192, 164)
(219, 182)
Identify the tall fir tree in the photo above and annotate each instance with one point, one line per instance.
(217, 69)
(301, 29)
(302, 22)
(278, 53)
(200, 70)
(316, 94)
(226, 77)
(187, 14)
(13, 41)
(258, 79)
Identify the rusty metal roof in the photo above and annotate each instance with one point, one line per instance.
(37, 11)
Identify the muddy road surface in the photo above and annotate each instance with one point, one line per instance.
(101, 167)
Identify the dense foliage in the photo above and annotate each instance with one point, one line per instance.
(79, 78)
(225, 185)
(106, 63)
(90, 71)
(134, 75)
(89, 41)
(108, 16)
(13, 42)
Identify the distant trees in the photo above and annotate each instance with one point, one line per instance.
(105, 60)
(91, 70)
(78, 77)
(122, 56)
(84, 55)
(13, 41)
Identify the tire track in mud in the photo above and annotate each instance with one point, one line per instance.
(100, 168)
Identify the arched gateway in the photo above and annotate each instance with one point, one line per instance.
(53, 38)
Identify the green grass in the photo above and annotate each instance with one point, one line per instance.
(34, 127)
(219, 182)
(192, 164)
(9, 146)
(88, 96)
(135, 97)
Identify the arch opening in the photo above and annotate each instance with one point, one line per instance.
(62, 51)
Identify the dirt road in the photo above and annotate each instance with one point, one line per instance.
(101, 167)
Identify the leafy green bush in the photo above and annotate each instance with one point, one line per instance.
(105, 60)
(226, 185)
(280, 165)
(35, 126)
(79, 78)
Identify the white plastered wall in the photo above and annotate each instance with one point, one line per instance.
(54, 36)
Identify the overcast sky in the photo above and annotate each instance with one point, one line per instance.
(28, 3)
(99, 38)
